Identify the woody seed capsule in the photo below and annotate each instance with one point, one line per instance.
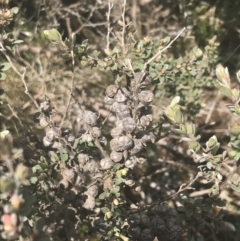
(106, 163)
(89, 203)
(108, 100)
(120, 97)
(96, 132)
(111, 91)
(64, 183)
(121, 143)
(146, 97)
(43, 122)
(129, 163)
(57, 145)
(92, 191)
(122, 111)
(116, 156)
(82, 159)
(46, 141)
(51, 133)
(145, 120)
(90, 118)
(93, 166)
(137, 147)
(128, 124)
(87, 137)
(69, 174)
(117, 131)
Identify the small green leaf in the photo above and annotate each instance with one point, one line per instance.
(226, 91)
(95, 53)
(200, 226)
(4, 133)
(197, 215)
(178, 117)
(175, 101)
(119, 181)
(6, 185)
(117, 166)
(189, 212)
(36, 167)
(104, 195)
(115, 190)
(90, 143)
(227, 225)
(114, 67)
(223, 75)
(117, 194)
(194, 146)
(3, 76)
(85, 42)
(211, 142)
(219, 203)
(43, 159)
(198, 201)
(190, 128)
(199, 238)
(18, 41)
(105, 209)
(75, 145)
(206, 207)
(235, 188)
(39, 224)
(193, 72)
(166, 40)
(64, 157)
(54, 157)
(15, 10)
(5, 66)
(33, 180)
(53, 35)
(238, 76)
(235, 93)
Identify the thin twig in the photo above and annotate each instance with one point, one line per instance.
(162, 50)
(123, 27)
(182, 188)
(14, 114)
(72, 83)
(158, 53)
(109, 29)
(98, 145)
(212, 108)
(22, 77)
(88, 18)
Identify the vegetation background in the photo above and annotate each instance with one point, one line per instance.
(212, 26)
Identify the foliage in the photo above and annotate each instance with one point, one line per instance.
(80, 178)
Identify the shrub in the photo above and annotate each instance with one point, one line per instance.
(85, 179)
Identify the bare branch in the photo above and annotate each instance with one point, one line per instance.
(109, 29)
(162, 50)
(72, 83)
(123, 27)
(22, 77)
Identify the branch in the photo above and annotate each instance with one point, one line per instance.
(162, 50)
(72, 83)
(124, 26)
(182, 188)
(109, 29)
(22, 77)
(158, 53)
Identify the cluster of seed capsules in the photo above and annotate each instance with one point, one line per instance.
(132, 113)
(132, 110)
